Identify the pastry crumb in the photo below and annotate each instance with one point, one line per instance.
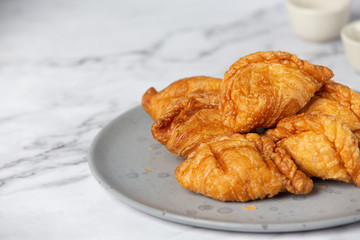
(229, 215)
(148, 170)
(322, 186)
(150, 148)
(250, 207)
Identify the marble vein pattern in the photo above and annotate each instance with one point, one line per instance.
(67, 68)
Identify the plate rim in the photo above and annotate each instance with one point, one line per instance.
(200, 222)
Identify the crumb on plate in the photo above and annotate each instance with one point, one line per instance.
(250, 207)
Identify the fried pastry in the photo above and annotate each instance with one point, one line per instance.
(334, 108)
(241, 168)
(155, 103)
(188, 122)
(339, 101)
(260, 89)
(344, 95)
(320, 145)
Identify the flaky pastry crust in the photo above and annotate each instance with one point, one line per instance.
(321, 146)
(155, 103)
(344, 95)
(340, 101)
(190, 121)
(261, 88)
(241, 168)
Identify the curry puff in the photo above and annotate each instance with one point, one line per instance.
(190, 121)
(339, 101)
(320, 145)
(307, 126)
(155, 103)
(241, 168)
(260, 89)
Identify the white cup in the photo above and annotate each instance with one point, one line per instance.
(318, 20)
(350, 36)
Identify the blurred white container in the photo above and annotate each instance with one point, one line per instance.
(318, 20)
(350, 36)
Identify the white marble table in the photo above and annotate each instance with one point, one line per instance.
(69, 67)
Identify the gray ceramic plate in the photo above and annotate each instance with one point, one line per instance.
(126, 160)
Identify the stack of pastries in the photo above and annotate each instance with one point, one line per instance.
(274, 122)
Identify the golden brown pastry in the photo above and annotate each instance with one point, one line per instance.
(188, 122)
(320, 145)
(155, 103)
(344, 95)
(241, 168)
(261, 88)
(333, 108)
(339, 101)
